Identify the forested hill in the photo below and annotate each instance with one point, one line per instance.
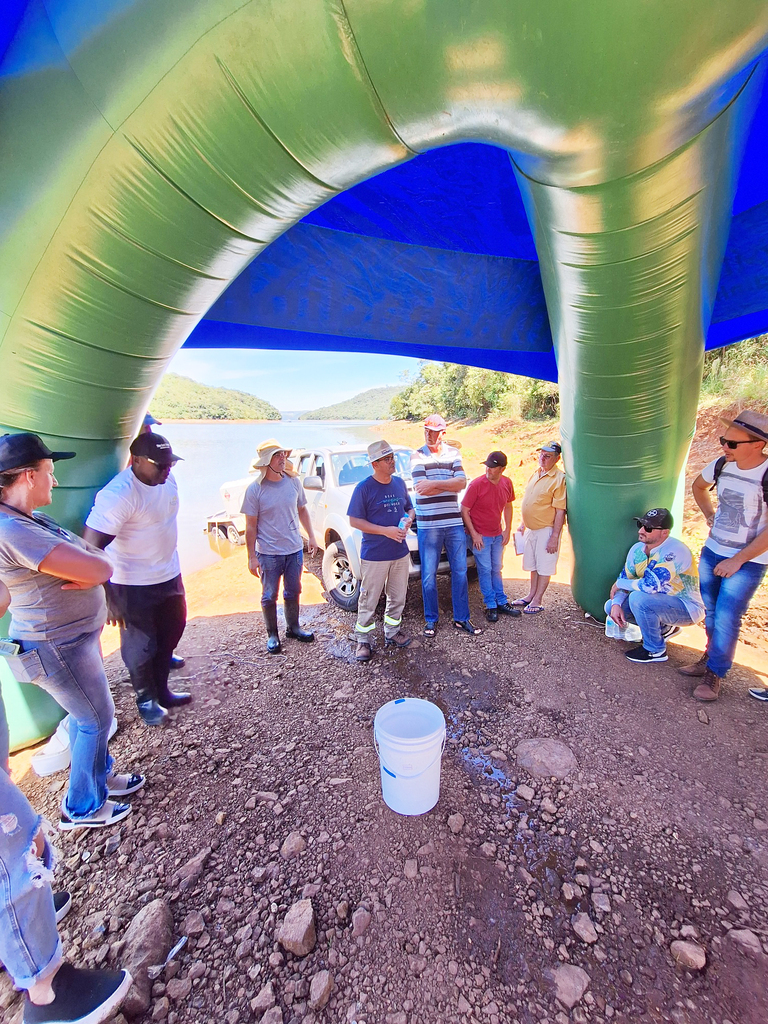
(180, 398)
(368, 405)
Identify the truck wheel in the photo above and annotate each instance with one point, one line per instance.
(338, 579)
(233, 535)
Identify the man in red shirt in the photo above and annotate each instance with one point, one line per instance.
(485, 501)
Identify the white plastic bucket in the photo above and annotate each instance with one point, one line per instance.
(409, 735)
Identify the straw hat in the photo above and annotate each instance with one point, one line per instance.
(264, 454)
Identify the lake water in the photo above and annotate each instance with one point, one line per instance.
(216, 452)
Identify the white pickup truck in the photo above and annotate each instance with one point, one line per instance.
(329, 476)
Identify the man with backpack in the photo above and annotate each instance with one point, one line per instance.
(734, 558)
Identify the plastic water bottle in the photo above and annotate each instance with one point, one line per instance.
(404, 523)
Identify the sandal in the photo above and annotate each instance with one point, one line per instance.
(521, 602)
(430, 628)
(533, 609)
(468, 627)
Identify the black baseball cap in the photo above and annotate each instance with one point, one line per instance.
(656, 519)
(17, 450)
(496, 459)
(155, 447)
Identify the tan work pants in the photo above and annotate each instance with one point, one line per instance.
(392, 578)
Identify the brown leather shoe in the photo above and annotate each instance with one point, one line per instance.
(362, 651)
(698, 668)
(709, 688)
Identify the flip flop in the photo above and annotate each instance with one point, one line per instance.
(521, 602)
(430, 629)
(533, 609)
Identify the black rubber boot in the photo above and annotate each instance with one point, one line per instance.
(269, 611)
(150, 710)
(174, 698)
(293, 629)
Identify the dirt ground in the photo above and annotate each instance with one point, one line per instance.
(479, 911)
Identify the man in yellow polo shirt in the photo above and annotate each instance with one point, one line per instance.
(543, 512)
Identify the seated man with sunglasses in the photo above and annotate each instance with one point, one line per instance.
(658, 588)
(133, 519)
(735, 555)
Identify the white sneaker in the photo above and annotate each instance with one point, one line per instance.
(55, 756)
(108, 814)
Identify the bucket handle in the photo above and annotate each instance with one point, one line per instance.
(401, 776)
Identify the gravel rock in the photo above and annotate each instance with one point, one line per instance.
(294, 845)
(570, 984)
(456, 823)
(194, 923)
(273, 1016)
(411, 868)
(178, 988)
(147, 942)
(297, 932)
(583, 927)
(689, 954)
(320, 989)
(525, 793)
(189, 873)
(265, 1000)
(361, 919)
(737, 901)
(545, 758)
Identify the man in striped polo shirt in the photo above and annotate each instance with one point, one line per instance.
(438, 479)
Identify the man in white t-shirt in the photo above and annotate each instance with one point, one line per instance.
(735, 555)
(134, 520)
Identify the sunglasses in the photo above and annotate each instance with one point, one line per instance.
(648, 529)
(162, 465)
(725, 443)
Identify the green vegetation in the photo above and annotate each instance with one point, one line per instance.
(738, 372)
(179, 398)
(735, 373)
(468, 392)
(373, 404)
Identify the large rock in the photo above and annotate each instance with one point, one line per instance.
(297, 932)
(147, 943)
(570, 984)
(545, 758)
(689, 954)
(582, 925)
(293, 845)
(746, 940)
(320, 989)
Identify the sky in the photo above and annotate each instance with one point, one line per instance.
(292, 380)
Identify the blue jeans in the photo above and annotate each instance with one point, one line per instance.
(272, 568)
(75, 678)
(725, 600)
(431, 543)
(651, 612)
(488, 562)
(29, 943)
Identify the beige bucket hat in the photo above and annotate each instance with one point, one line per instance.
(264, 454)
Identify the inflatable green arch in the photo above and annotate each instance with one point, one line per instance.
(151, 150)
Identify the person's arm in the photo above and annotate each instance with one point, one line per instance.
(507, 524)
(306, 522)
(477, 539)
(250, 544)
(757, 546)
(81, 569)
(701, 495)
(95, 539)
(427, 488)
(5, 598)
(557, 529)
